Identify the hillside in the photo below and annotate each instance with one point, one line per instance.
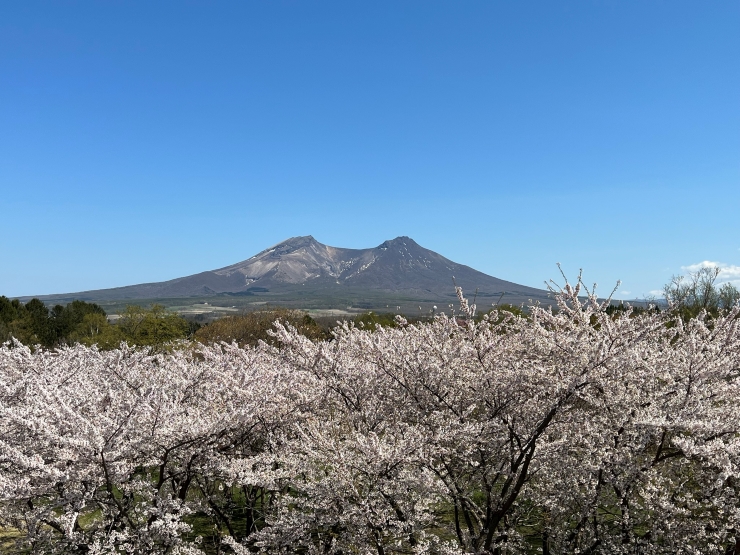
(303, 268)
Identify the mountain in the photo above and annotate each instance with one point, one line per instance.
(302, 267)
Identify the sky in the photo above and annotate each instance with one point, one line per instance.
(144, 141)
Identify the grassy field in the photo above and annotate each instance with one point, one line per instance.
(345, 306)
(7, 540)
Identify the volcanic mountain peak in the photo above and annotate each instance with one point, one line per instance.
(297, 260)
(303, 259)
(396, 266)
(398, 242)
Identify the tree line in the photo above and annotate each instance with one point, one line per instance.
(33, 323)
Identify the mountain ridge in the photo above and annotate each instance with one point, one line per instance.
(304, 265)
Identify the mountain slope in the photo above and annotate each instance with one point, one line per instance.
(398, 266)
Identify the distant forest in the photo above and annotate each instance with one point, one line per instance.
(33, 323)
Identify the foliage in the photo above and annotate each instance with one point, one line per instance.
(567, 431)
(689, 296)
(153, 327)
(370, 320)
(34, 324)
(253, 327)
(96, 330)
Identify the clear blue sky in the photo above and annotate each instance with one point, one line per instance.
(142, 141)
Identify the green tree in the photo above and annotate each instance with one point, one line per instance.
(728, 296)
(10, 311)
(153, 327)
(34, 327)
(34, 324)
(252, 327)
(689, 295)
(65, 319)
(94, 329)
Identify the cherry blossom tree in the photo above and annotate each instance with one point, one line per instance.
(120, 450)
(559, 430)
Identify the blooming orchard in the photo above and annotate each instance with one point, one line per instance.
(566, 431)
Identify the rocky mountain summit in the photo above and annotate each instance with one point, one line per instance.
(302, 264)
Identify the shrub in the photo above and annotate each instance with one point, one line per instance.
(253, 327)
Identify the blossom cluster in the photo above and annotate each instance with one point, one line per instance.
(560, 431)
